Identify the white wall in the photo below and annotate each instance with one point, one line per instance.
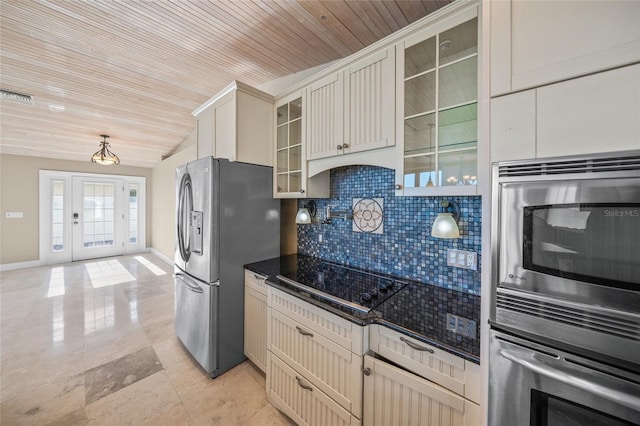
(163, 206)
(19, 189)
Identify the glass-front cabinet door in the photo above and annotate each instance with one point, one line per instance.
(288, 180)
(437, 109)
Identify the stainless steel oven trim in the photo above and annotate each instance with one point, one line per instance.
(601, 387)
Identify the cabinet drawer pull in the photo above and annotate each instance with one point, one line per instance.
(304, 332)
(303, 386)
(258, 277)
(416, 347)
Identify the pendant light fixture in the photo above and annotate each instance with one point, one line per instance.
(104, 156)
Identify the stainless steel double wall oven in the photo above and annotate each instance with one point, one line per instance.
(565, 311)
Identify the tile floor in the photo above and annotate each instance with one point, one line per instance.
(92, 343)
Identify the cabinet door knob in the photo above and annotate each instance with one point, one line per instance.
(339, 147)
(302, 191)
(398, 186)
(367, 371)
(345, 145)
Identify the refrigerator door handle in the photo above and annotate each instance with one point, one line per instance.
(195, 288)
(185, 197)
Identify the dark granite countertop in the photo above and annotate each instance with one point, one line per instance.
(418, 310)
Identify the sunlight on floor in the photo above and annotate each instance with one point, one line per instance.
(107, 272)
(150, 266)
(56, 282)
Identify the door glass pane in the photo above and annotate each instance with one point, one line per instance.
(283, 183)
(420, 171)
(420, 134)
(57, 215)
(283, 115)
(459, 42)
(419, 58)
(458, 83)
(420, 94)
(458, 128)
(283, 140)
(295, 109)
(459, 168)
(97, 198)
(295, 182)
(295, 132)
(133, 216)
(283, 160)
(295, 158)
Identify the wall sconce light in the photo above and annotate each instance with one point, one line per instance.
(306, 213)
(446, 223)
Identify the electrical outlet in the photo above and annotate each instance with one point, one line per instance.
(319, 238)
(463, 326)
(462, 259)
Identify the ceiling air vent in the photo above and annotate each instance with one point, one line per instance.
(17, 97)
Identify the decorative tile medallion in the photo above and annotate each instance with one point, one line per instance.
(367, 215)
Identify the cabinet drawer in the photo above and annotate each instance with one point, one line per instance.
(431, 363)
(394, 397)
(328, 366)
(294, 395)
(338, 330)
(255, 282)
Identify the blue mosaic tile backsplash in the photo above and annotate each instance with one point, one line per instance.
(406, 248)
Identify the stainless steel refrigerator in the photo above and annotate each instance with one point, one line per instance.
(226, 218)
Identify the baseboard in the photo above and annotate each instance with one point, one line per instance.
(161, 256)
(19, 265)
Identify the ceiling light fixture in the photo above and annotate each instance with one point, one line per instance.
(104, 156)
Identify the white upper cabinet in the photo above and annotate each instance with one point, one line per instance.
(565, 78)
(370, 103)
(437, 92)
(290, 178)
(325, 117)
(236, 124)
(352, 110)
(540, 42)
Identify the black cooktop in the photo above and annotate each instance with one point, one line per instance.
(360, 290)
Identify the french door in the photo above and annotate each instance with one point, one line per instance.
(84, 216)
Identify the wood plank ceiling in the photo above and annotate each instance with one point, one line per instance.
(135, 70)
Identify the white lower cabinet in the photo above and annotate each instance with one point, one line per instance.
(396, 397)
(255, 319)
(313, 375)
(436, 365)
(299, 399)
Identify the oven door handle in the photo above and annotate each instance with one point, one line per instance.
(588, 380)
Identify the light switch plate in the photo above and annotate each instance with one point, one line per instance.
(14, 215)
(462, 259)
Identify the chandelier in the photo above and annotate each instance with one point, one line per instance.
(104, 156)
